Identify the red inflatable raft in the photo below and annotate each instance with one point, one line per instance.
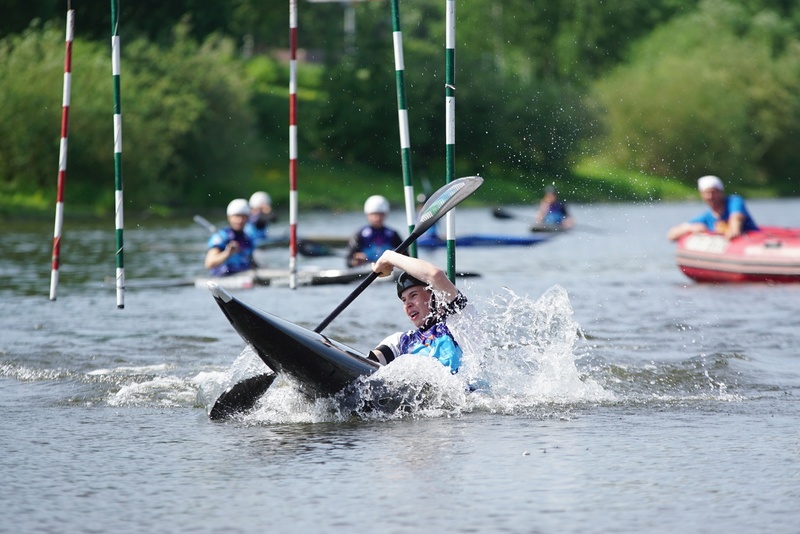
(770, 255)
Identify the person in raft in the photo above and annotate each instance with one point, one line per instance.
(432, 303)
(727, 214)
(261, 215)
(230, 250)
(552, 211)
(374, 239)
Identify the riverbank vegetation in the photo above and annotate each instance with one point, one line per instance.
(619, 103)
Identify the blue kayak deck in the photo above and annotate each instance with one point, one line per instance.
(484, 240)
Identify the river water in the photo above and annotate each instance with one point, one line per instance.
(622, 396)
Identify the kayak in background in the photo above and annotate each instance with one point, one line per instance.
(549, 228)
(771, 255)
(317, 240)
(280, 277)
(483, 240)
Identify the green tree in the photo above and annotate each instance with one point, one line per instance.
(188, 132)
(711, 92)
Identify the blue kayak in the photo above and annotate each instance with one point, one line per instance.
(484, 240)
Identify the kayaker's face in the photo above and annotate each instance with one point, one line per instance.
(237, 222)
(417, 304)
(375, 220)
(714, 198)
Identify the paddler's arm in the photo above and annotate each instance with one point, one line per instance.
(685, 228)
(421, 269)
(735, 225)
(215, 256)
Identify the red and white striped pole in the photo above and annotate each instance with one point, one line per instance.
(62, 154)
(293, 145)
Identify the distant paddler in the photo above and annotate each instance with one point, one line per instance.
(230, 250)
(727, 214)
(375, 238)
(260, 217)
(552, 213)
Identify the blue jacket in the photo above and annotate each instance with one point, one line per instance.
(238, 262)
(733, 204)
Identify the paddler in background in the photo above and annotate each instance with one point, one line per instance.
(260, 217)
(552, 211)
(373, 239)
(433, 304)
(230, 250)
(727, 214)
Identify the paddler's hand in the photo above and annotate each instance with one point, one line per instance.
(359, 258)
(232, 247)
(383, 267)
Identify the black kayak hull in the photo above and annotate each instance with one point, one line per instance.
(319, 365)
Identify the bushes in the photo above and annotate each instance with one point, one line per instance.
(712, 92)
(188, 133)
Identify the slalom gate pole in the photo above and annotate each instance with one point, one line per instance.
(402, 115)
(62, 151)
(450, 128)
(115, 70)
(293, 145)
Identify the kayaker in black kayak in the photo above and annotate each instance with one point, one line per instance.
(430, 300)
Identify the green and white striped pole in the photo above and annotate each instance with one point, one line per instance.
(402, 115)
(450, 129)
(115, 62)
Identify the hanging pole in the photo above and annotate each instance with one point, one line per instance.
(115, 70)
(62, 152)
(402, 116)
(293, 145)
(450, 127)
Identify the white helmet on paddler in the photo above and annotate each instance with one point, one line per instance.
(708, 182)
(238, 206)
(260, 198)
(376, 204)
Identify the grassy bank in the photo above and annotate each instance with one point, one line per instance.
(344, 188)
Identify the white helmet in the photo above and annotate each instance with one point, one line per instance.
(376, 204)
(238, 206)
(260, 198)
(707, 182)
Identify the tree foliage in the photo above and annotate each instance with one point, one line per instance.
(186, 127)
(714, 91)
(675, 87)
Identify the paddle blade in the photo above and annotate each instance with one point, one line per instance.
(202, 221)
(241, 397)
(445, 199)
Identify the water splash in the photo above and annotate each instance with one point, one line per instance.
(518, 358)
(528, 353)
(165, 391)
